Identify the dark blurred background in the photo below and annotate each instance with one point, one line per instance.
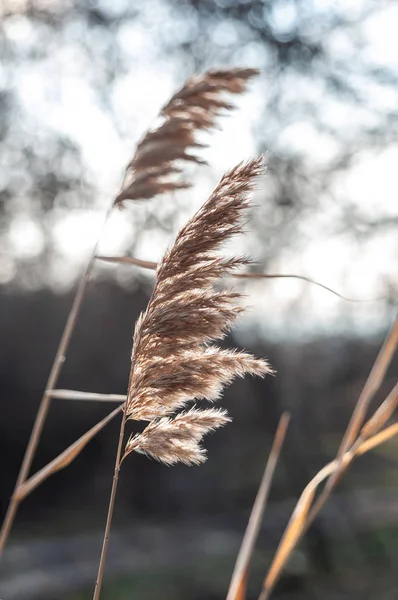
(79, 84)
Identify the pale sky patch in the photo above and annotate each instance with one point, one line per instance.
(57, 94)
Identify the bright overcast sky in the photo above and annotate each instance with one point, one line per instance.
(59, 95)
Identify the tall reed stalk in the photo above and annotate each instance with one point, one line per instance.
(59, 359)
(173, 360)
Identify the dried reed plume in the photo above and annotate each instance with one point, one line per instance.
(194, 107)
(176, 440)
(172, 362)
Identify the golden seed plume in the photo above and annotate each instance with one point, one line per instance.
(177, 440)
(194, 107)
(172, 361)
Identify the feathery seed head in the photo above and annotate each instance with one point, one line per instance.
(194, 107)
(178, 440)
(172, 362)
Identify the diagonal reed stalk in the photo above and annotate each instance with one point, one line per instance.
(64, 459)
(237, 587)
(371, 386)
(194, 107)
(45, 402)
(297, 524)
(173, 360)
(111, 507)
(358, 439)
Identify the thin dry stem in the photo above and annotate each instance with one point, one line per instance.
(381, 416)
(371, 428)
(193, 108)
(105, 543)
(369, 437)
(371, 386)
(237, 588)
(63, 459)
(90, 396)
(298, 521)
(41, 415)
(148, 264)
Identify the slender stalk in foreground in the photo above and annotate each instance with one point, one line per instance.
(64, 459)
(371, 386)
(105, 543)
(41, 415)
(237, 588)
(361, 438)
(297, 524)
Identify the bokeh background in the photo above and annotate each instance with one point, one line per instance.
(80, 82)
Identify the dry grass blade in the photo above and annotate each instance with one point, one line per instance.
(289, 540)
(64, 459)
(91, 396)
(377, 439)
(129, 260)
(51, 383)
(237, 588)
(306, 279)
(298, 521)
(193, 108)
(371, 386)
(172, 361)
(148, 264)
(382, 414)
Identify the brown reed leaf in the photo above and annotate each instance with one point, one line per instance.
(299, 519)
(178, 439)
(237, 588)
(371, 435)
(289, 540)
(172, 362)
(382, 414)
(371, 386)
(358, 416)
(64, 459)
(379, 438)
(194, 107)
